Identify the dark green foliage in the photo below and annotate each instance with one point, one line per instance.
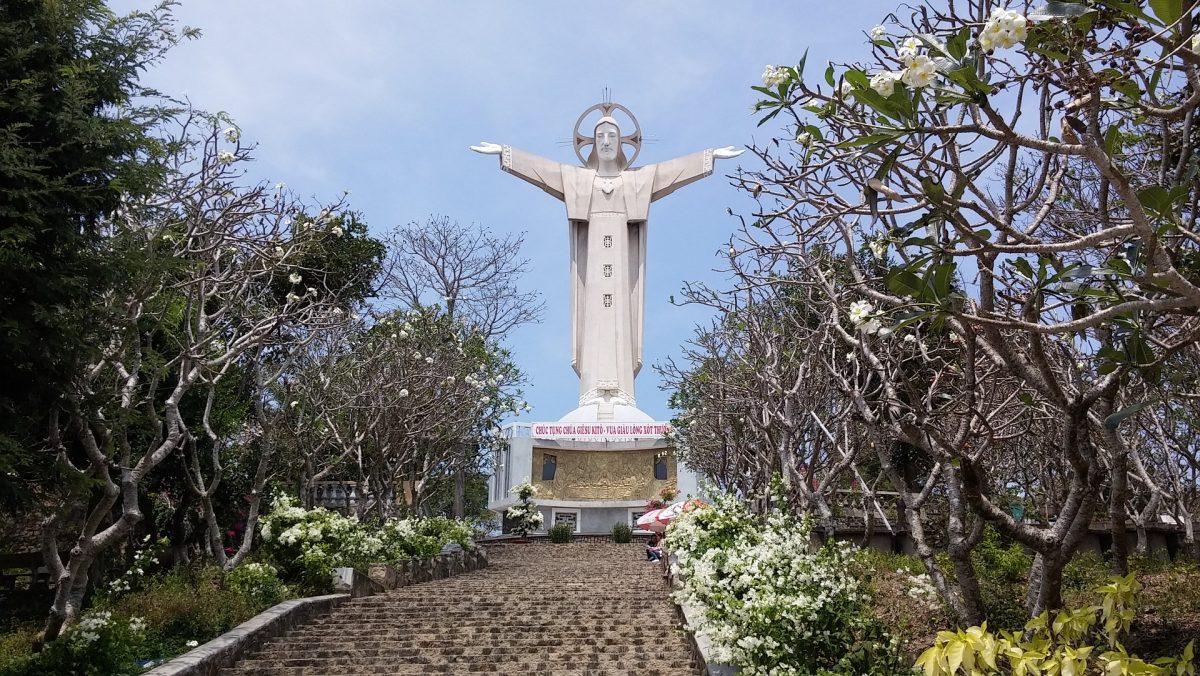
(622, 533)
(560, 533)
(1003, 567)
(184, 605)
(73, 137)
(346, 263)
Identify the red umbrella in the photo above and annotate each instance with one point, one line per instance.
(668, 514)
(649, 521)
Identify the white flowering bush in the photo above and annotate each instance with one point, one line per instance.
(307, 544)
(920, 588)
(258, 582)
(768, 601)
(102, 643)
(134, 578)
(524, 516)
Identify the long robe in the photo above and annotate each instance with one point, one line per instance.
(607, 218)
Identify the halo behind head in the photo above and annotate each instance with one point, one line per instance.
(606, 110)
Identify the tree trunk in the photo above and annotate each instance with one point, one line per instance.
(1116, 514)
(1048, 590)
(460, 493)
(178, 530)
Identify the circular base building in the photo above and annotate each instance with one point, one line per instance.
(597, 466)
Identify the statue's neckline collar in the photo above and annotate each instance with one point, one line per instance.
(608, 183)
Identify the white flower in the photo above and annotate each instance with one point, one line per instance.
(884, 83)
(403, 334)
(193, 643)
(920, 72)
(878, 33)
(773, 76)
(860, 310)
(428, 360)
(1080, 365)
(403, 393)
(225, 157)
(292, 297)
(484, 399)
(803, 138)
(1004, 29)
(884, 332)
(450, 379)
(878, 247)
(416, 355)
(312, 291)
(279, 251)
(294, 404)
(232, 135)
(908, 51)
(295, 278)
(337, 232)
(910, 338)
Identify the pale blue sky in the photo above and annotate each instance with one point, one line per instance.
(383, 98)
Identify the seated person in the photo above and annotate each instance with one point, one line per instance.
(654, 550)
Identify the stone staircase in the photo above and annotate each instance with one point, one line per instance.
(537, 609)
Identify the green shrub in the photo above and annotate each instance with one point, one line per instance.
(1003, 568)
(1000, 560)
(17, 644)
(186, 607)
(1086, 570)
(170, 615)
(446, 530)
(622, 533)
(1072, 641)
(561, 533)
(102, 643)
(258, 582)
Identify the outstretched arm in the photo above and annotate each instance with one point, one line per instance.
(544, 173)
(672, 175)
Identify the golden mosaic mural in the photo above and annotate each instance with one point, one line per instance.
(601, 475)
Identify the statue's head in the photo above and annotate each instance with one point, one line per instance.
(608, 139)
(607, 143)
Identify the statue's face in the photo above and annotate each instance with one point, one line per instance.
(608, 141)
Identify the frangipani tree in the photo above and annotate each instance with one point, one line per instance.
(211, 265)
(1025, 181)
(396, 402)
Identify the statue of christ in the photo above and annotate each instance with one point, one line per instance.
(607, 206)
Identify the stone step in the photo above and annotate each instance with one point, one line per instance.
(627, 666)
(491, 643)
(589, 608)
(405, 670)
(362, 652)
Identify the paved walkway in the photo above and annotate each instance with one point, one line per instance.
(537, 609)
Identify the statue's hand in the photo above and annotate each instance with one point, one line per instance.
(727, 152)
(486, 148)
